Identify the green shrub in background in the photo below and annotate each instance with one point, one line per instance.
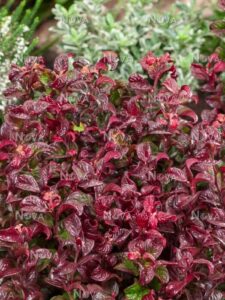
(88, 26)
(16, 38)
(218, 28)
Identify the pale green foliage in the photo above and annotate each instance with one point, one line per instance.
(132, 28)
(16, 31)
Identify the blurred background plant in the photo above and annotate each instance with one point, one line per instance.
(131, 29)
(16, 38)
(218, 29)
(19, 21)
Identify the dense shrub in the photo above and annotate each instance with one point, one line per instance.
(110, 190)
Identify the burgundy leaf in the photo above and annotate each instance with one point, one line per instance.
(75, 201)
(205, 262)
(146, 276)
(155, 66)
(33, 204)
(199, 72)
(6, 143)
(101, 275)
(61, 64)
(27, 183)
(177, 174)
(137, 82)
(171, 85)
(7, 269)
(144, 152)
(11, 235)
(73, 224)
(112, 155)
(173, 288)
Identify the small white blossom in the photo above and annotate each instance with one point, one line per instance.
(14, 57)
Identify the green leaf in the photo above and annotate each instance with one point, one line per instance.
(43, 264)
(136, 292)
(44, 78)
(79, 128)
(59, 298)
(76, 295)
(64, 235)
(18, 11)
(9, 3)
(155, 284)
(209, 253)
(162, 273)
(110, 19)
(35, 9)
(30, 48)
(128, 266)
(115, 98)
(32, 28)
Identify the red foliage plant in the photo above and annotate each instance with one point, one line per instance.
(109, 190)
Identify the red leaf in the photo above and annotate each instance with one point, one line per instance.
(165, 217)
(133, 107)
(112, 155)
(77, 86)
(102, 80)
(73, 224)
(75, 202)
(27, 183)
(162, 156)
(177, 174)
(37, 228)
(61, 64)
(146, 275)
(171, 85)
(87, 246)
(33, 204)
(11, 235)
(201, 178)
(199, 72)
(219, 67)
(174, 287)
(156, 66)
(189, 163)
(187, 112)
(6, 143)
(4, 156)
(137, 82)
(144, 152)
(7, 269)
(101, 275)
(111, 59)
(205, 262)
